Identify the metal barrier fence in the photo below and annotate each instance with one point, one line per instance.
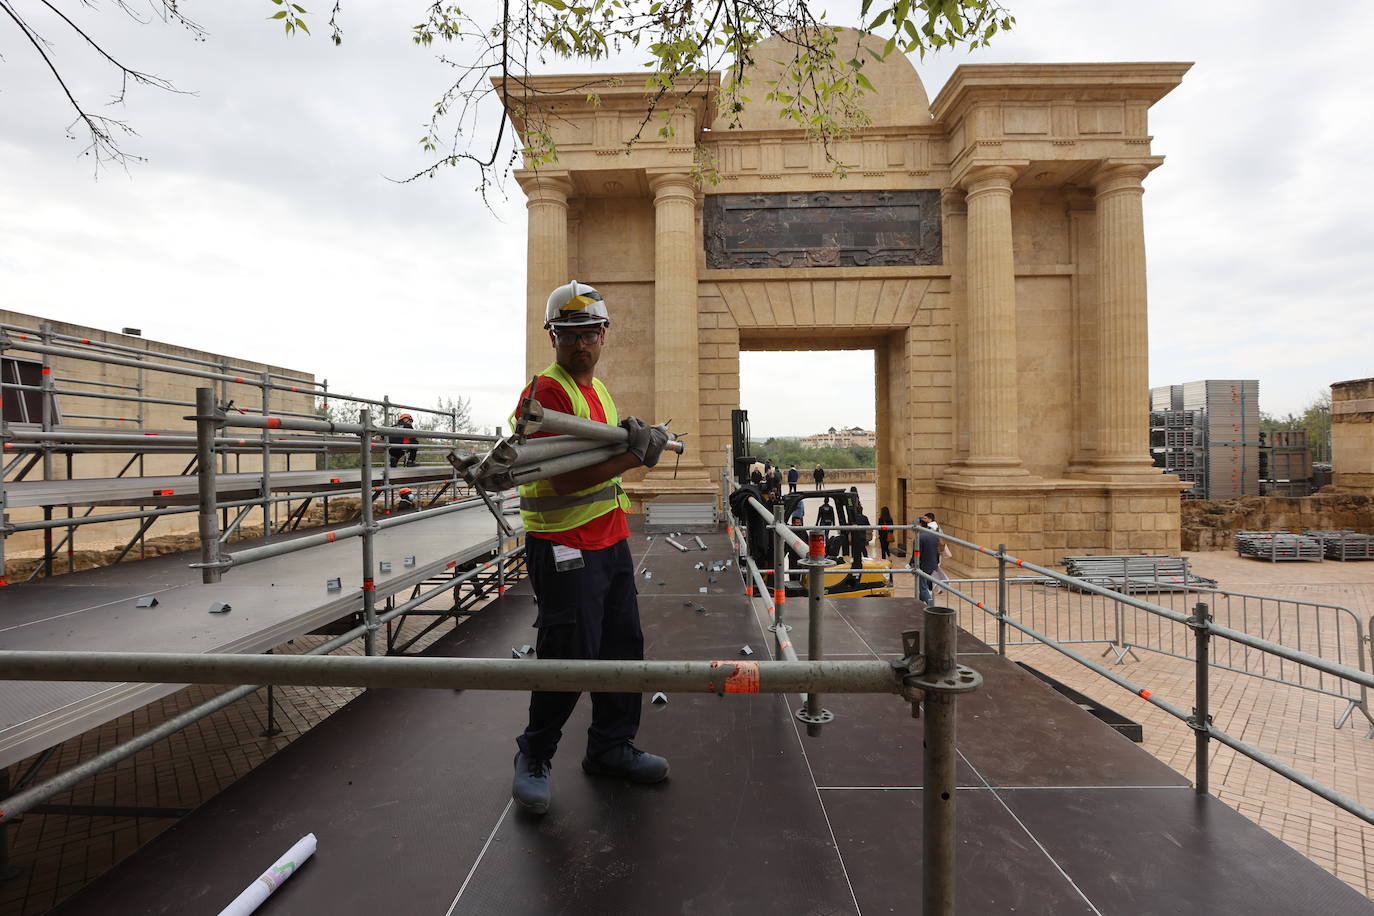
(1071, 615)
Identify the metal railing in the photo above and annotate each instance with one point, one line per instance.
(47, 439)
(1070, 615)
(1283, 652)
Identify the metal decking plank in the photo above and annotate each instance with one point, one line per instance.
(273, 601)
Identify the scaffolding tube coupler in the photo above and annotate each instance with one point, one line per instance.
(936, 671)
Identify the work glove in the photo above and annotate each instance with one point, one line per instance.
(645, 441)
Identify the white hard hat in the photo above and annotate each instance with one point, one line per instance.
(575, 305)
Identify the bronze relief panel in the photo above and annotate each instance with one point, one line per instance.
(823, 229)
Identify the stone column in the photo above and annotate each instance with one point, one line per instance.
(955, 213)
(547, 257)
(677, 390)
(1123, 437)
(993, 414)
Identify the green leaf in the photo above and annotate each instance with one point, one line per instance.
(280, 15)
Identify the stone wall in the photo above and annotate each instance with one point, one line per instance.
(1352, 436)
(1212, 524)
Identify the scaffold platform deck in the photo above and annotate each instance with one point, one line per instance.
(272, 601)
(182, 490)
(408, 793)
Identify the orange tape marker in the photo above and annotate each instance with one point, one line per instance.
(744, 680)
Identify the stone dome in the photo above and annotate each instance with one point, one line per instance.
(899, 100)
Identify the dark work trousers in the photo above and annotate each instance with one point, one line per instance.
(590, 613)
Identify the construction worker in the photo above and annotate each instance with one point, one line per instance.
(578, 555)
(405, 499)
(403, 456)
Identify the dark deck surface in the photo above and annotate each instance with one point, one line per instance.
(408, 794)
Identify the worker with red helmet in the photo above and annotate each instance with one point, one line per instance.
(405, 499)
(403, 456)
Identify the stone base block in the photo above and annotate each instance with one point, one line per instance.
(1044, 521)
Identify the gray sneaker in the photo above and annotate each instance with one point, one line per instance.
(628, 762)
(530, 788)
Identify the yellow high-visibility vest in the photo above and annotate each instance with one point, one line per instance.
(543, 509)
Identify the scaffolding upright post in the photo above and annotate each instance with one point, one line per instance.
(45, 334)
(207, 415)
(1201, 719)
(4, 440)
(386, 456)
(325, 448)
(779, 582)
(938, 764)
(1001, 599)
(369, 528)
(267, 457)
(816, 562)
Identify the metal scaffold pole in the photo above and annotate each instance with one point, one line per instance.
(207, 414)
(266, 458)
(369, 529)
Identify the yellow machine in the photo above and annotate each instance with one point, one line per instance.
(846, 582)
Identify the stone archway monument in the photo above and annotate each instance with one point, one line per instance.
(987, 246)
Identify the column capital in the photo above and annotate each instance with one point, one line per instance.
(545, 186)
(985, 175)
(1114, 175)
(671, 183)
(954, 200)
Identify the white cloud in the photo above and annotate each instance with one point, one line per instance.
(264, 225)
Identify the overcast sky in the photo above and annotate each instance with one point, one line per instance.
(265, 225)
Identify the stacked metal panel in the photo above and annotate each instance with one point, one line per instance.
(1230, 427)
(1134, 573)
(1166, 397)
(692, 514)
(1344, 545)
(1277, 546)
(1285, 463)
(1176, 442)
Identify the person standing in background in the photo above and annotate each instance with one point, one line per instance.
(885, 537)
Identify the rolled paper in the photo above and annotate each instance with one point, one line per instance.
(257, 892)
